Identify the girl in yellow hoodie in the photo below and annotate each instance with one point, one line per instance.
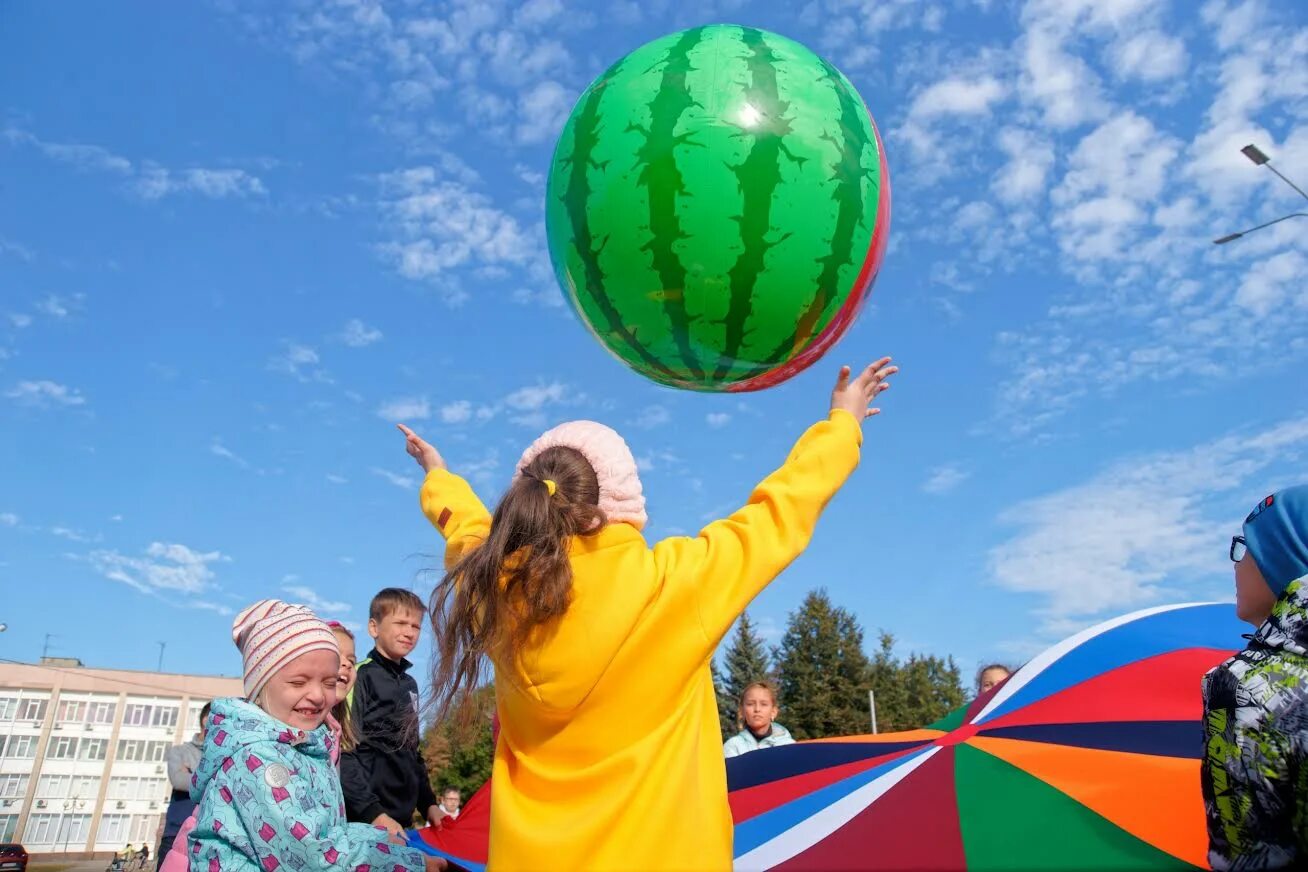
(609, 755)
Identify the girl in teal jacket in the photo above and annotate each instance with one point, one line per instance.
(268, 793)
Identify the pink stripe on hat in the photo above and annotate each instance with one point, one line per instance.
(621, 496)
(271, 633)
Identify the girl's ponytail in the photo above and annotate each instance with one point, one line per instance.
(519, 580)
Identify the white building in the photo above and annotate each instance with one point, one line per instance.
(81, 752)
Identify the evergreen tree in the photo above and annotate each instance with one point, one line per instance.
(823, 671)
(911, 694)
(745, 662)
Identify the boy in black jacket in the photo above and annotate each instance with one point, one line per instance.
(384, 777)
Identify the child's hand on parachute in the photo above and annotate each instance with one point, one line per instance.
(421, 450)
(856, 396)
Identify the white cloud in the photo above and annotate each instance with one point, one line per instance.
(306, 595)
(954, 97)
(148, 180)
(8, 519)
(717, 419)
(400, 481)
(53, 306)
(20, 320)
(444, 227)
(1150, 55)
(71, 535)
(166, 569)
(1115, 173)
(542, 110)
(45, 394)
(945, 478)
(299, 362)
(1145, 528)
(155, 182)
(405, 409)
(1030, 158)
(359, 335)
(219, 450)
(653, 416)
(1274, 282)
(535, 397)
(332, 478)
(457, 412)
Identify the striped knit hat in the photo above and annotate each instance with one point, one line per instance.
(271, 634)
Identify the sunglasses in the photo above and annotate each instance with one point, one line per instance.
(1239, 548)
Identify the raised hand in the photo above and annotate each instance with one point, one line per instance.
(856, 396)
(421, 450)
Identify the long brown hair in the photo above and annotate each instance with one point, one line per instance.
(519, 581)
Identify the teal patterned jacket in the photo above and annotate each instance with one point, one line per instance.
(270, 799)
(1255, 766)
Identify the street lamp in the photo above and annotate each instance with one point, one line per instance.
(1259, 159)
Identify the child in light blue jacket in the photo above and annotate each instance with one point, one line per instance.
(757, 717)
(268, 791)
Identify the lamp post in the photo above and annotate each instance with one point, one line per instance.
(1256, 155)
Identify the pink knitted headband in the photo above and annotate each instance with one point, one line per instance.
(621, 496)
(271, 633)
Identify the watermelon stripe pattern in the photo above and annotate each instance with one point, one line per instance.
(717, 208)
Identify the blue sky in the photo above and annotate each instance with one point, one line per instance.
(239, 240)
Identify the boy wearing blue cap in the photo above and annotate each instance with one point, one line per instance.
(1255, 767)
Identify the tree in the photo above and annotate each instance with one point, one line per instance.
(460, 749)
(913, 693)
(745, 662)
(823, 671)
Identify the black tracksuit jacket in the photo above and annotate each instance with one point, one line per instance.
(385, 773)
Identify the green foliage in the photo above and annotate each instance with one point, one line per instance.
(745, 662)
(915, 692)
(460, 750)
(823, 671)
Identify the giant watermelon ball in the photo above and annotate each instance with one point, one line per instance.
(718, 207)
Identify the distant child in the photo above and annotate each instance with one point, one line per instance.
(757, 721)
(344, 683)
(182, 761)
(384, 775)
(1255, 772)
(609, 752)
(991, 675)
(269, 796)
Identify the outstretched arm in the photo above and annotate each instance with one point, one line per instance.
(448, 500)
(733, 559)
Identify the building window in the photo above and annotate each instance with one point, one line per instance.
(144, 828)
(53, 786)
(156, 751)
(31, 709)
(164, 716)
(193, 715)
(71, 711)
(61, 748)
(102, 712)
(12, 787)
(18, 747)
(85, 787)
(8, 707)
(92, 749)
(58, 830)
(137, 714)
(8, 826)
(113, 830)
(130, 750)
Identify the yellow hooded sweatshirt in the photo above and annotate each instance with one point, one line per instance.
(609, 755)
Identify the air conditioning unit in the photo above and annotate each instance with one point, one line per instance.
(8, 802)
(153, 806)
(158, 770)
(121, 804)
(88, 727)
(40, 803)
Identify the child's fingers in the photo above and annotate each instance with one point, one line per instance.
(871, 413)
(842, 380)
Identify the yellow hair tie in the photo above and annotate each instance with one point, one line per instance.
(550, 486)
